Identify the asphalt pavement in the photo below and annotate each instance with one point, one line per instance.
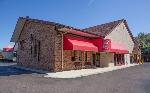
(129, 80)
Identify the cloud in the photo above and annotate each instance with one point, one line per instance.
(91, 2)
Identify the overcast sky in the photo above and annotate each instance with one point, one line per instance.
(76, 13)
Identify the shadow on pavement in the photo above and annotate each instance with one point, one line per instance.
(8, 70)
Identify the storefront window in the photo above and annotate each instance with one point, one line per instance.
(76, 55)
(80, 55)
(86, 56)
(73, 55)
(119, 59)
(97, 56)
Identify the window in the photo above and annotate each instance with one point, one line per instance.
(73, 54)
(35, 49)
(76, 55)
(31, 48)
(80, 55)
(39, 49)
(97, 56)
(86, 56)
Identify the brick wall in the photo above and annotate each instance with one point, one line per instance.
(106, 59)
(58, 52)
(50, 49)
(69, 64)
(46, 35)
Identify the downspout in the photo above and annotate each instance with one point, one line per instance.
(62, 51)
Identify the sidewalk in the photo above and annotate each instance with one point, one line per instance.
(85, 72)
(7, 64)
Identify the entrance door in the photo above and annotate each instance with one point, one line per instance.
(96, 59)
(115, 59)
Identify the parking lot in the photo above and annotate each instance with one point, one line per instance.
(129, 80)
(8, 69)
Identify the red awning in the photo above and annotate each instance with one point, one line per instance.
(118, 51)
(74, 43)
(117, 47)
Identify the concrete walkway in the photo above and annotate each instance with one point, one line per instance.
(85, 72)
(7, 64)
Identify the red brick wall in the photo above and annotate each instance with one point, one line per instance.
(46, 35)
(69, 64)
(50, 49)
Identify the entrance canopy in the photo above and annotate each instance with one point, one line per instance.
(74, 43)
(118, 51)
(117, 47)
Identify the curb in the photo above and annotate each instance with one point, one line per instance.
(75, 75)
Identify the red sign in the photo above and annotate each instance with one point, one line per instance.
(7, 49)
(107, 44)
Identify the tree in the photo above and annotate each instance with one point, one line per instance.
(144, 41)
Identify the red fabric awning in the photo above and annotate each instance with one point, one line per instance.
(117, 47)
(74, 43)
(117, 51)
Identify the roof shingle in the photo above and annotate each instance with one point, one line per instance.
(103, 29)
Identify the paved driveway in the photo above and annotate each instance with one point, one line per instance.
(131, 80)
(8, 69)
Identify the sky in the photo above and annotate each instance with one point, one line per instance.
(76, 13)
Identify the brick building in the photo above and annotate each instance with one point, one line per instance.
(56, 47)
(136, 53)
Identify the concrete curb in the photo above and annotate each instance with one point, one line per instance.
(7, 64)
(85, 72)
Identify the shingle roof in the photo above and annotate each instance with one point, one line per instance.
(49, 22)
(100, 30)
(103, 29)
(21, 22)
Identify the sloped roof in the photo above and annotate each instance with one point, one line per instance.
(103, 29)
(99, 30)
(22, 20)
(18, 29)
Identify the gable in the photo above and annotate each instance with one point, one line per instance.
(121, 35)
